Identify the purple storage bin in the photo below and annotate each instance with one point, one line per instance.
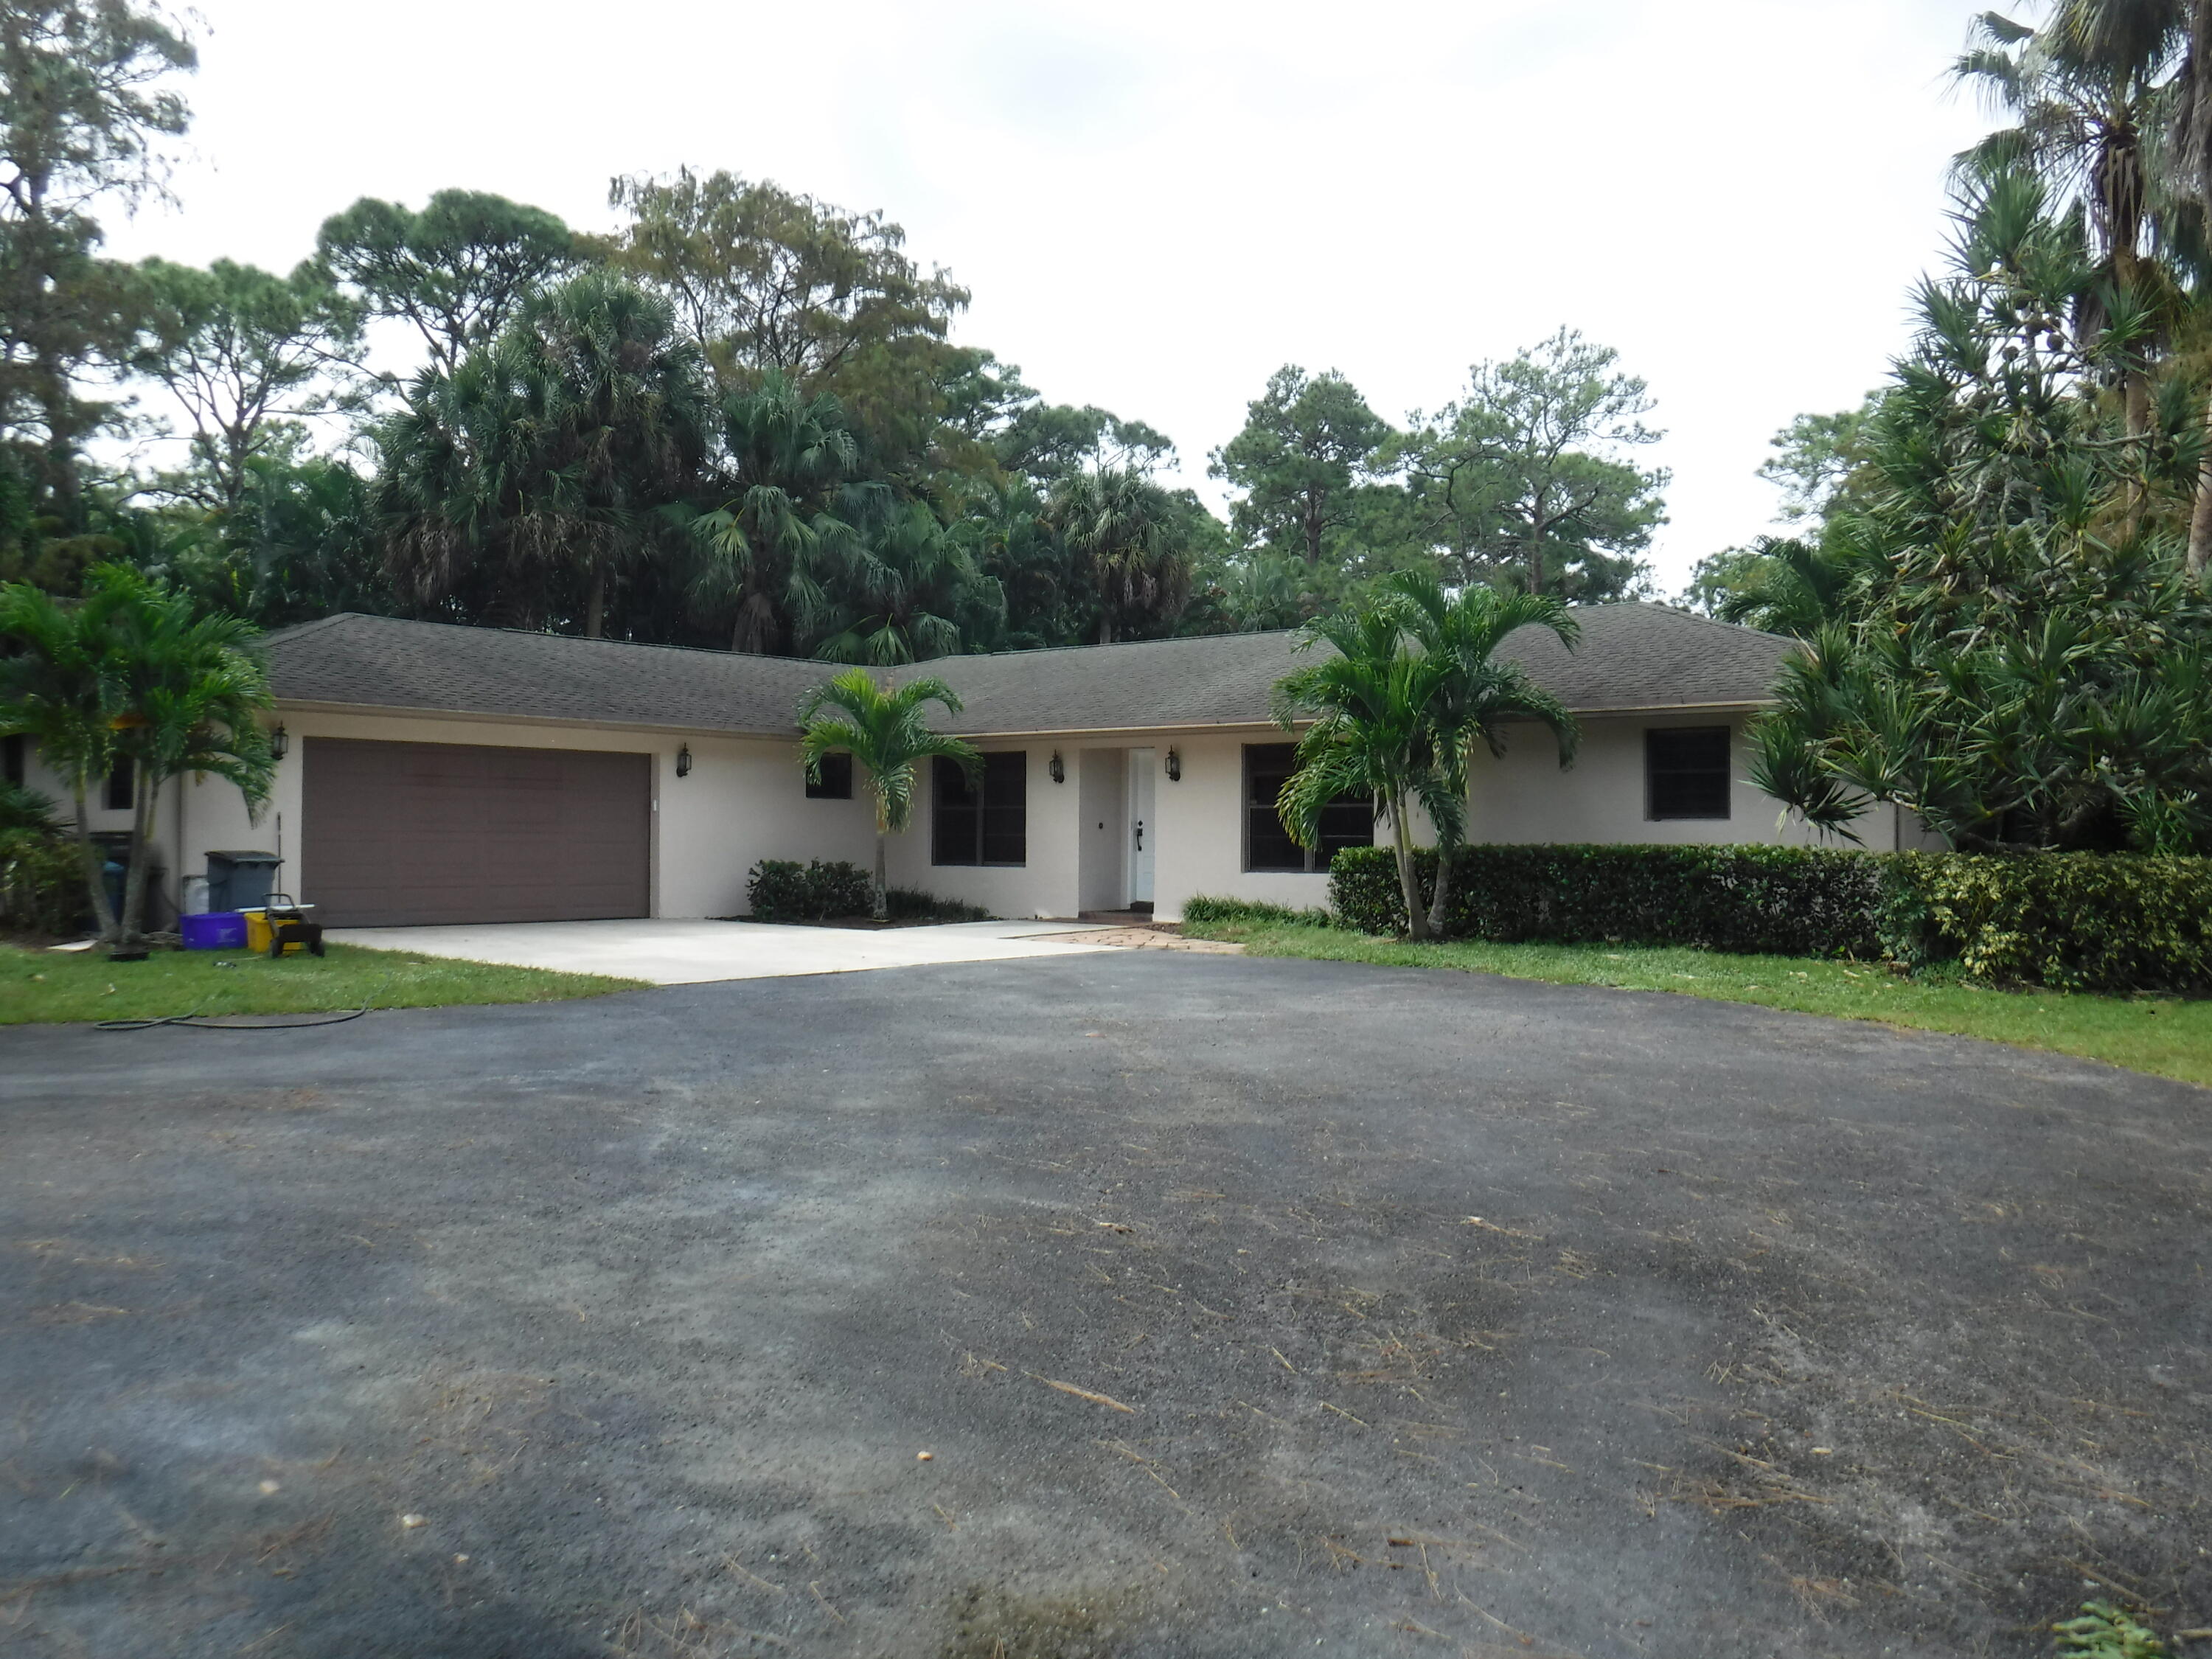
(218, 930)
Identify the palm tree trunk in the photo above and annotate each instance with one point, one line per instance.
(103, 914)
(883, 905)
(1409, 884)
(1439, 907)
(1105, 627)
(2200, 514)
(595, 608)
(132, 934)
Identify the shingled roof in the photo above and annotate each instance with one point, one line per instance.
(1631, 657)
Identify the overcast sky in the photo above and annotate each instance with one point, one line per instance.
(1157, 204)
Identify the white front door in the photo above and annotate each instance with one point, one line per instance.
(1142, 772)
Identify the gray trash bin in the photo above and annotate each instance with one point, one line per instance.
(240, 881)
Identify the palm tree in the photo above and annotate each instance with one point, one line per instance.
(768, 547)
(1792, 586)
(544, 462)
(1124, 526)
(55, 690)
(1480, 695)
(133, 674)
(2089, 99)
(886, 729)
(913, 590)
(1373, 705)
(191, 688)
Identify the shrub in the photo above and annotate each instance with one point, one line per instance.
(783, 890)
(42, 883)
(2075, 921)
(1782, 901)
(910, 904)
(1204, 909)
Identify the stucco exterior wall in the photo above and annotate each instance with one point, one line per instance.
(1048, 885)
(1525, 798)
(745, 800)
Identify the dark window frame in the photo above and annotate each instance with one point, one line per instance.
(1347, 820)
(836, 781)
(15, 759)
(967, 825)
(120, 793)
(1679, 790)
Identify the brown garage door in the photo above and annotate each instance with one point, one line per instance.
(402, 833)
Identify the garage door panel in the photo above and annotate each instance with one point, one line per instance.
(404, 833)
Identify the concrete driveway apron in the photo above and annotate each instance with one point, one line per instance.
(695, 952)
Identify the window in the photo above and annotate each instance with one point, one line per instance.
(1686, 773)
(1347, 820)
(836, 780)
(11, 759)
(119, 787)
(986, 825)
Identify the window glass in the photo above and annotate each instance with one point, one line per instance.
(1006, 809)
(119, 781)
(1347, 820)
(985, 824)
(1687, 772)
(837, 781)
(11, 758)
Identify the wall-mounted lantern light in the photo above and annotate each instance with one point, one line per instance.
(280, 742)
(684, 762)
(1058, 768)
(1175, 767)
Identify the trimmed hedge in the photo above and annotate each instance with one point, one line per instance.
(2075, 921)
(783, 890)
(1777, 901)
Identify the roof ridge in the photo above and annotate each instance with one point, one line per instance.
(295, 630)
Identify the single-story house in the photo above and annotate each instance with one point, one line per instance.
(442, 773)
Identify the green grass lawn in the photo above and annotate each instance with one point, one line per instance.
(38, 986)
(2168, 1038)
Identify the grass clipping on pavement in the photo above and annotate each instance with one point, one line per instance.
(2166, 1037)
(41, 987)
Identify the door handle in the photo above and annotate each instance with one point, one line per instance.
(1140, 834)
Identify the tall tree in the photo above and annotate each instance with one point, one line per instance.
(916, 594)
(1527, 472)
(1133, 537)
(85, 104)
(246, 354)
(2014, 661)
(1306, 443)
(764, 279)
(455, 271)
(538, 472)
(2087, 95)
(772, 549)
(886, 729)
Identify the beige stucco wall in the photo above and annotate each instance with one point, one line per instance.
(1525, 798)
(1048, 885)
(745, 800)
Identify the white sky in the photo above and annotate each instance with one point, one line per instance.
(1158, 205)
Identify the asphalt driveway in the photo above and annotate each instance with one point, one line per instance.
(1241, 1307)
